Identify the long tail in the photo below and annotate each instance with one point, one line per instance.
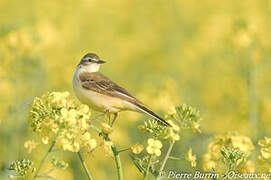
(152, 114)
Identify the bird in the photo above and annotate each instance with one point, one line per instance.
(97, 91)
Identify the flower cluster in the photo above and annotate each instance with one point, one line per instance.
(30, 145)
(227, 146)
(265, 149)
(158, 130)
(106, 128)
(233, 157)
(55, 116)
(154, 128)
(265, 156)
(191, 158)
(173, 133)
(180, 117)
(185, 116)
(107, 145)
(59, 163)
(22, 168)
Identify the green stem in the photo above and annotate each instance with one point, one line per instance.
(114, 149)
(84, 166)
(122, 150)
(148, 168)
(95, 128)
(167, 156)
(117, 161)
(44, 158)
(253, 100)
(174, 158)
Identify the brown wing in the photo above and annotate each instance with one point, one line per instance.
(99, 83)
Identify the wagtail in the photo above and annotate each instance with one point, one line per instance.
(101, 94)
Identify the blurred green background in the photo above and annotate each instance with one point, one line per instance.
(213, 55)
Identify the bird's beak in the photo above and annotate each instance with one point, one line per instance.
(101, 62)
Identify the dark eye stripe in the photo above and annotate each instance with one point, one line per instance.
(91, 60)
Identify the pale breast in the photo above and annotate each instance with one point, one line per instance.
(84, 96)
(98, 101)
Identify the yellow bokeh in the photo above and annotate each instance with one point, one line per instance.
(213, 55)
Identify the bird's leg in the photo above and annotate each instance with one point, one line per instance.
(115, 117)
(100, 115)
(95, 118)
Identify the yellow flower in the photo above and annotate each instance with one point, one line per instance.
(70, 135)
(83, 124)
(172, 110)
(191, 158)
(172, 135)
(66, 145)
(154, 147)
(11, 176)
(59, 98)
(196, 126)
(55, 128)
(92, 143)
(68, 120)
(212, 158)
(249, 167)
(30, 145)
(106, 128)
(175, 137)
(137, 148)
(174, 126)
(142, 128)
(208, 164)
(173, 132)
(242, 143)
(69, 116)
(88, 141)
(75, 147)
(83, 109)
(107, 147)
(64, 112)
(45, 140)
(86, 136)
(243, 39)
(266, 153)
(265, 142)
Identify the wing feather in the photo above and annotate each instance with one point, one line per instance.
(99, 83)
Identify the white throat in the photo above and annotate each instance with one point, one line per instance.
(91, 67)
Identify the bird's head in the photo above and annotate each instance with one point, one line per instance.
(91, 61)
